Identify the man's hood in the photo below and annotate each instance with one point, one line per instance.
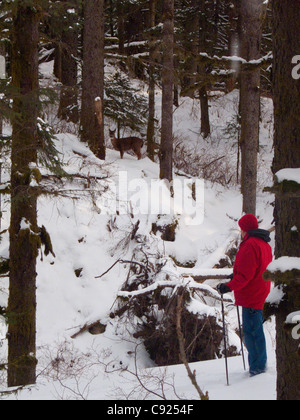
(261, 234)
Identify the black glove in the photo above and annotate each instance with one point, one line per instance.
(230, 277)
(223, 288)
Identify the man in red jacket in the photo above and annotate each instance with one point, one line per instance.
(250, 289)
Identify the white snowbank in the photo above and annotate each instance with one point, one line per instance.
(86, 238)
(276, 296)
(288, 174)
(283, 264)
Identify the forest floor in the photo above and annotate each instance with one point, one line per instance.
(88, 238)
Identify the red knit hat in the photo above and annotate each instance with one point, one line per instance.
(248, 222)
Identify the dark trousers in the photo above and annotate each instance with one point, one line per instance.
(255, 340)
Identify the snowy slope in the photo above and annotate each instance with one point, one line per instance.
(87, 237)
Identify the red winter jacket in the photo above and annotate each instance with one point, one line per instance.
(253, 257)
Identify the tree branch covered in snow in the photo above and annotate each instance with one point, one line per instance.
(284, 268)
(245, 65)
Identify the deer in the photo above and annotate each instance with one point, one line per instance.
(126, 143)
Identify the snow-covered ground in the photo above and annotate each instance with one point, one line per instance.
(89, 238)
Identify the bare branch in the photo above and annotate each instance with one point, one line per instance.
(191, 375)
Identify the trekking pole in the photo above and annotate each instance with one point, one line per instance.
(225, 342)
(240, 329)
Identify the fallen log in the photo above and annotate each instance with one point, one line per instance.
(203, 278)
(93, 328)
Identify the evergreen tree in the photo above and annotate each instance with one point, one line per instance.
(251, 33)
(166, 146)
(192, 21)
(2, 76)
(68, 107)
(151, 70)
(124, 104)
(24, 239)
(5, 24)
(92, 131)
(286, 36)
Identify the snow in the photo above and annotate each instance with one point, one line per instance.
(24, 225)
(283, 264)
(87, 235)
(276, 296)
(288, 174)
(211, 377)
(2, 67)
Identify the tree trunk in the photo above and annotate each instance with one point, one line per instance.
(192, 45)
(121, 28)
(233, 41)
(286, 39)
(205, 124)
(2, 76)
(166, 148)
(93, 76)
(251, 33)
(24, 239)
(202, 70)
(151, 116)
(57, 67)
(68, 107)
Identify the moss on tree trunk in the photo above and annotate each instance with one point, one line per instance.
(93, 76)
(166, 147)
(251, 34)
(286, 17)
(24, 238)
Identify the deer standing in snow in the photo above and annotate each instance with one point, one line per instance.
(126, 143)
